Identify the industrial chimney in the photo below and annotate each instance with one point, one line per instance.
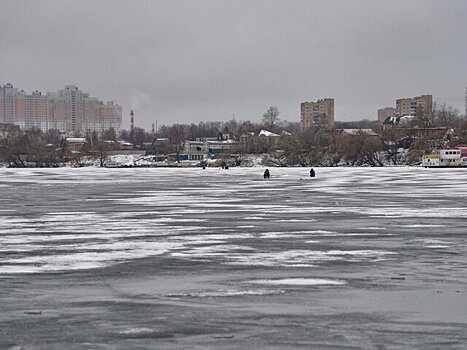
(132, 121)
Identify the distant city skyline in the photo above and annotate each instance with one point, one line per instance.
(182, 62)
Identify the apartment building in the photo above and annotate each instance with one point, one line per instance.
(19, 108)
(317, 114)
(73, 110)
(409, 106)
(7, 103)
(69, 110)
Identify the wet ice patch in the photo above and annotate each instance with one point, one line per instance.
(322, 232)
(227, 293)
(93, 256)
(280, 234)
(204, 252)
(303, 258)
(200, 239)
(372, 228)
(434, 243)
(295, 220)
(420, 225)
(136, 331)
(299, 281)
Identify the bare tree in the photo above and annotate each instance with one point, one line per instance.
(361, 149)
(276, 158)
(109, 134)
(271, 116)
(101, 150)
(15, 149)
(422, 119)
(391, 139)
(446, 116)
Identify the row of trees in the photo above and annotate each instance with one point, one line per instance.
(394, 144)
(312, 147)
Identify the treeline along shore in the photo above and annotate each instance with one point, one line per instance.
(236, 143)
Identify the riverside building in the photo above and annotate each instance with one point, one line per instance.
(69, 110)
(409, 106)
(317, 114)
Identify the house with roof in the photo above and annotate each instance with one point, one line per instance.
(205, 148)
(407, 124)
(74, 144)
(398, 121)
(265, 133)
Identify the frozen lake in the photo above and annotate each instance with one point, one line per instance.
(145, 258)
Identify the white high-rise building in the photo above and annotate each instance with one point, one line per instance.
(75, 111)
(68, 110)
(8, 103)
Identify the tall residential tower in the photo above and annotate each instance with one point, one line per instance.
(68, 110)
(317, 114)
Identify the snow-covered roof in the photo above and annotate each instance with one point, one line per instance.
(222, 141)
(122, 142)
(76, 140)
(359, 131)
(399, 120)
(267, 133)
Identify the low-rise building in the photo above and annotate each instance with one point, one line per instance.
(195, 150)
(74, 144)
(204, 148)
(217, 147)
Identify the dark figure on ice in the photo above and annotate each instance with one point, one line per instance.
(312, 173)
(266, 174)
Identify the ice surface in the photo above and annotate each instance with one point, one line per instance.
(194, 214)
(145, 258)
(300, 282)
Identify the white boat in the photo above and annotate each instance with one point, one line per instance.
(446, 158)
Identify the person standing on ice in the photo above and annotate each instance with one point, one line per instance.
(266, 174)
(312, 173)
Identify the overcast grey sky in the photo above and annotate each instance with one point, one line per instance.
(204, 60)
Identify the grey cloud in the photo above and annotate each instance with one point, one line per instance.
(206, 60)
